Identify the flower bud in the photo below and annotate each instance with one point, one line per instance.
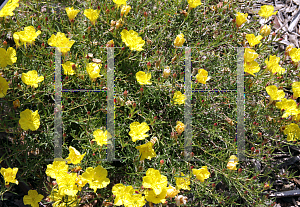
(148, 65)
(252, 149)
(161, 162)
(39, 27)
(46, 19)
(183, 12)
(240, 170)
(173, 135)
(288, 49)
(4, 43)
(74, 67)
(142, 90)
(125, 93)
(145, 14)
(265, 30)
(174, 75)
(110, 43)
(134, 105)
(112, 23)
(98, 7)
(166, 72)
(107, 11)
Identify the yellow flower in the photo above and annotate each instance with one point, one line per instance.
(9, 175)
(253, 40)
(53, 170)
(202, 76)
(119, 2)
(273, 66)
(286, 104)
(273, 60)
(96, 177)
(61, 41)
(151, 196)
(93, 70)
(265, 30)
(296, 89)
(194, 3)
(92, 15)
(74, 156)
(266, 11)
(31, 78)
(9, 7)
(250, 55)
(67, 183)
(3, 87)
(125, 9)
(143, 78)
(134, 200)
(7, 57)
(33, 198)
(202, 173)
(179, 98)
(16, 103)
(121, 191)
(29, 120)
(295, 54)
(251, 67)
(288, 49)
(179, 127)
(241, 18)
(274, 93)
(178, 42)
(27, 36)
(146, 151)
(292, 131)
(182, 182)
(68, 68)
(60, 199)
(71, 12)
(138, 131)
(277, 69)
(233, 161)
(290, 107)
(172, 192)
(80, 182)
(101, 137)
(132, 40)
(156, 181)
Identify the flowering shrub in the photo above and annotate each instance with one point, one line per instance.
(151, 43)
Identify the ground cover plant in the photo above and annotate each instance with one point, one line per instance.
(149, 40)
